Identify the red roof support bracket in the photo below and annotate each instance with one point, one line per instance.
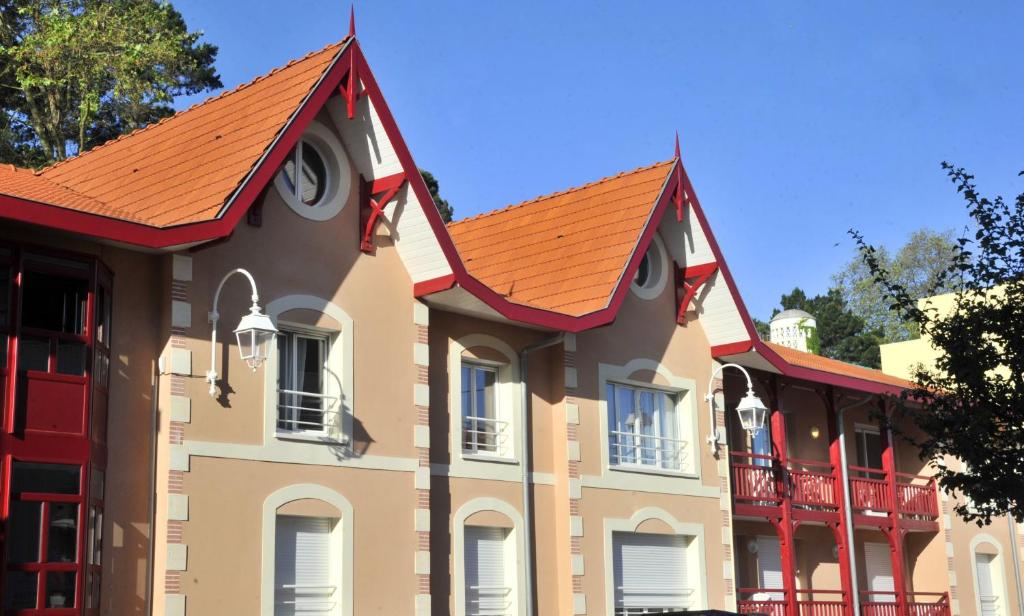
(349, 87)
(371, 209)
(689, 283)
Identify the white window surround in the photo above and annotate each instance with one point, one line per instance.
(339, 381)
(685, 392)
(341, 539)
(659, 271)
(485, 466)
(339, 176)
(463, 513)
(997, 563)
(694, 553)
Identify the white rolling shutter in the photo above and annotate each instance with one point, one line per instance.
(302, 567)
(769, 567)
(878, 564)
(650, 573)
(987, 595)
(488, 591)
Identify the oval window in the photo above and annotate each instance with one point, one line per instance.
(652, 272)
(309, 184)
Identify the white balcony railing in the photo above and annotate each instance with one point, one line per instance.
(630, 448)
(484, 435)
(489, 601)
(636, 601)
(989, 605)
(305, 412)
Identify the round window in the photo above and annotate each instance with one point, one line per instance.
(643, 273)
(652, 273)
(305, 174)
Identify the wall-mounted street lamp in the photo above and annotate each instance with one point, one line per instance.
(751, 410)
(255, 332)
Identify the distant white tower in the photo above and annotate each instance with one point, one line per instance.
(793, 328)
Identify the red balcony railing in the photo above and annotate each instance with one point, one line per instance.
(878, 603)
(869, 493)
(928, 603)
(812, 484)
(767, 601)
(820, 602)
(753, 479)
(917, 496)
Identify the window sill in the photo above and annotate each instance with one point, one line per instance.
(311, 437)
(650, 470)
(482, 457)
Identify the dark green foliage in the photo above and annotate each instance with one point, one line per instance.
(840, 334)
(446, 210)
(77, 73)
(970, 407)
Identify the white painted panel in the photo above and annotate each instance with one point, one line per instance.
(365, 140)
(650, 572)
(719, 314)
(414, 239)
(878, 564)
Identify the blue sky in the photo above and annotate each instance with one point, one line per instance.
(798, 120)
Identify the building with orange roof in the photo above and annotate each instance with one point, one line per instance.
(519, 413)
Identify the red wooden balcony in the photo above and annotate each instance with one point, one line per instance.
(869, 491)
(918, 604)
(812, 485)
(917, 496)
(820, 602)
(754, 480)
(772, 602)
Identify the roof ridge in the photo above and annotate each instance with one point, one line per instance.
(201, 103)
(560, 193)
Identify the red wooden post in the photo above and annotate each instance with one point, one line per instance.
(784, 528)
(841, 532)
(893, 532)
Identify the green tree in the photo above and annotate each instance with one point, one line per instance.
(443, 207)
(76, 73)
(919, 266)
(841, 334)
(970, 406)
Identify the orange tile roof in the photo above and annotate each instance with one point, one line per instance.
(834, 366)
(566, 251)
(184, 168)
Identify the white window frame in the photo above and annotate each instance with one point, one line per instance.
(639, 445)
(658, 276)
(329, 593)
(695, 552)
(339, 381)
(338, 172)
(684, 390)
(515, 541)
(997, 564)
(341, 538)
(482, 465)
(498, 427)
(291, 401)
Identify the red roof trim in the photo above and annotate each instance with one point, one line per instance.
(434, 285)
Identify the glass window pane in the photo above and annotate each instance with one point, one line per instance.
(314, 175)
(60, 589)
(467, 388)
(54, 303)
(648, 446)
(34, 354)
(289, 171)
(62, 541)
(71, 358)
(20, 590)
(44, 478)
(490, 378)
(23, 532)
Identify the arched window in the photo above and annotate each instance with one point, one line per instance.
(488, 551)
(989, 583)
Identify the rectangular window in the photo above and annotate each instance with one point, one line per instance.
(488, 576)
(643, 428)
(651, 574)
(304, 570)
(988, 573)
(482, 430)
(303, 403)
